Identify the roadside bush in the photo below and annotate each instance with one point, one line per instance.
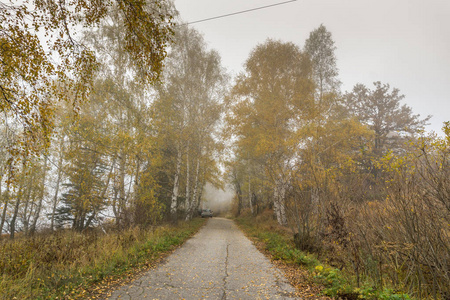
(388, 229)
(336, 283)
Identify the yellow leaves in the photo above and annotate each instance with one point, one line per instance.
(37, 73)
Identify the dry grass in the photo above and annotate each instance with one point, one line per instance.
(70, 265)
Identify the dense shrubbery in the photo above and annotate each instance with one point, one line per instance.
(395, 234)
(336, 283)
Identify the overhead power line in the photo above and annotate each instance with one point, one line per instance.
(237, 13)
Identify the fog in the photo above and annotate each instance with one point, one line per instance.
(216, 199)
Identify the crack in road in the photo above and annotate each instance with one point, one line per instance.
(224, 296)
(218, 263)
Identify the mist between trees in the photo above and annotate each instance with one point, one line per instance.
(137, 116)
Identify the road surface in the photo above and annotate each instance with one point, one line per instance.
(219, 262)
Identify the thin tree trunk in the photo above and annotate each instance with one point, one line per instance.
(122, 203)
(41, 198)
(108, 179)
(279, 205)
(12, 225)
(194, 196)
(25, 216)
(58, 180)
(239, 195)
(173, 204)
(116, 210)
(5, 207)
(89, 220)
(276, 206)
(136, 179)
(199, 198)
(250, 194)
(283, 205)
(188, 185)
(114, 202)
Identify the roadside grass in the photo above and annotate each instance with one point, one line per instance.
(70, 265)
(278, 243)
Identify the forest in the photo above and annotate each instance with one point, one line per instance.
(115, 115)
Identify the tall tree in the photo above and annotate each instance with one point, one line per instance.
(382, 111)
(269, 101)
(86, 167)
(27, 86)
(187, 112)
(320, 48)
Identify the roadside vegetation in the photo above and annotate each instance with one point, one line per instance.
(322, 279)
(72, 265)
(353, 175)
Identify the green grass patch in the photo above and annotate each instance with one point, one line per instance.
(69, 265)
(279, 243)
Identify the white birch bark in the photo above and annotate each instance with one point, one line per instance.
(122, 194)
(194, 196)
(279, 202)
(136, 180)
(58, 180)
(250, 195)
(282, 204)
(276, 203)
(188, 184)
(176, 183)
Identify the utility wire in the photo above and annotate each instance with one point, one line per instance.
(237, 13)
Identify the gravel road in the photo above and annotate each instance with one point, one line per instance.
(219, 262)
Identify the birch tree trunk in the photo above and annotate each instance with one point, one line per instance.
(176, 183)
(282, 205)
(250, 194)
(136, 179)
(194, 196)
(279, 205)
(58, 180)
(122, 217)
(41, 198)
(19, 195)
(188, 185)
(200, 192)
(25, 215)
(237, 186)
(114, 207)
(12, 225)
(276, 204)
(5, 207)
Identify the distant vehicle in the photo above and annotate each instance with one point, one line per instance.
(207, 213)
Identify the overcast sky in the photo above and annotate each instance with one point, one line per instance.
(405, 43)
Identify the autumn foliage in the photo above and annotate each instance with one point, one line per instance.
(123, 123)
(352, 174)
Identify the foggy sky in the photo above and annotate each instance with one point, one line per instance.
(405, 43)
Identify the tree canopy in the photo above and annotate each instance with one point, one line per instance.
(44, 59)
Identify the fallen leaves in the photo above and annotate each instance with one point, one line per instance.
(297, 276)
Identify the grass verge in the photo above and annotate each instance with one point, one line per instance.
(304, 270)
(69, 265)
